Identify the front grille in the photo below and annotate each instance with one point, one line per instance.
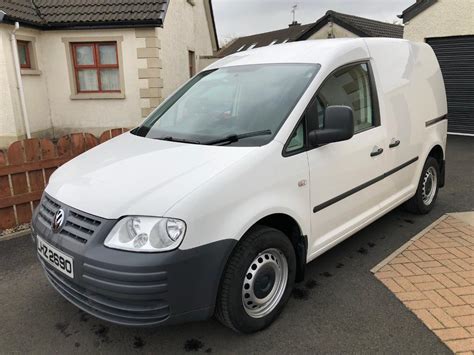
(77, 225)
(47, 210)
(117, 310)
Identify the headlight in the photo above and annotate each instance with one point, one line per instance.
(146, 234)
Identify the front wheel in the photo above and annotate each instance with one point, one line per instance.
(257, 281)
(427, 190)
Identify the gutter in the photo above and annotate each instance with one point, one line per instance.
(53, 26)
(21, 91)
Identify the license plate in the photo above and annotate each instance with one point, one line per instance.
(55, 257)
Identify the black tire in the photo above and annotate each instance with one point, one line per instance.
(416, 204)
(230, 309)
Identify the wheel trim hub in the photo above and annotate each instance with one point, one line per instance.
(430, 183)
(264, 283)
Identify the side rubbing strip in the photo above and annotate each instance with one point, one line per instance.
(363, 186)
(400, 167)
(435, 120)
(346, 194)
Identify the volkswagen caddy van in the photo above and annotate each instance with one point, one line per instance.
(249, 171)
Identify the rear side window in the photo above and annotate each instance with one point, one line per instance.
(349, 86)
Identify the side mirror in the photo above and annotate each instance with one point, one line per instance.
(338, 126)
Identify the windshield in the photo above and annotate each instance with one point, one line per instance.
(242, 105)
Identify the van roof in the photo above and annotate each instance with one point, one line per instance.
(318, 51)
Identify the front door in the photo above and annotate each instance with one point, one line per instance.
(346, 177)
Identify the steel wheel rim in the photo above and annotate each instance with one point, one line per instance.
(260, 297)
(430, 184)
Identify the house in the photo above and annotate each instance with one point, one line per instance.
(91, 65)
(448, 26)
(332, 25)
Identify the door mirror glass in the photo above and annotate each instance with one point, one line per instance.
(338, 126)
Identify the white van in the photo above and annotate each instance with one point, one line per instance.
(257, 165)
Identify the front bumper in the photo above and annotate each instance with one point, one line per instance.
(129, 288)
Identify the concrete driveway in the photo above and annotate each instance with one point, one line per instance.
(341, 307)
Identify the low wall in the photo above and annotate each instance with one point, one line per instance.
(25, 168)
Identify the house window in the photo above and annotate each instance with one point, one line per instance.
(192, 63)
(24, 54)
(96, 67)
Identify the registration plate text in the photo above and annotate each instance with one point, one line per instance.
(55, 257)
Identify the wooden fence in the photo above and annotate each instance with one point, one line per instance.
(25, 168)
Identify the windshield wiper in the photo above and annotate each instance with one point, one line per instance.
(235, 137)
(180, 140)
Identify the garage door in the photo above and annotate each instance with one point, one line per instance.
(456, 58)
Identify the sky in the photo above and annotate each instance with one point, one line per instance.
(236, 18)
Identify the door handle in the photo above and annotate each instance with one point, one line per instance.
(376, 151)
(394, 143)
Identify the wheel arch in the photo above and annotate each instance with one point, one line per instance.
(289, 226)
(437, 153)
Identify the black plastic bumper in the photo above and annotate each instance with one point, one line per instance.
(137, 289)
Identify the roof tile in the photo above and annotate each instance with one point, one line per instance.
(360, 25)
(90, 12)
(371, 28)
(264, 39)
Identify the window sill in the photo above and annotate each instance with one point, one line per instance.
(30, 72)
(98, 96)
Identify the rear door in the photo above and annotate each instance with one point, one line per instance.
(346, 177)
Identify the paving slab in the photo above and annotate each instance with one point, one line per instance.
(433, 276)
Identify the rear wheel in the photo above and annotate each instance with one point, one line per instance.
(257, 281)
(427, 190)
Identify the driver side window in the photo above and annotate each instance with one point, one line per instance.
(349, 86)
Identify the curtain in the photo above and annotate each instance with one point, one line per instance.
(22, 54)
(88, 80)
(84, 55)
(107, 54)
(110, 79)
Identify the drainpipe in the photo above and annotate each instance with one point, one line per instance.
(21, 92)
